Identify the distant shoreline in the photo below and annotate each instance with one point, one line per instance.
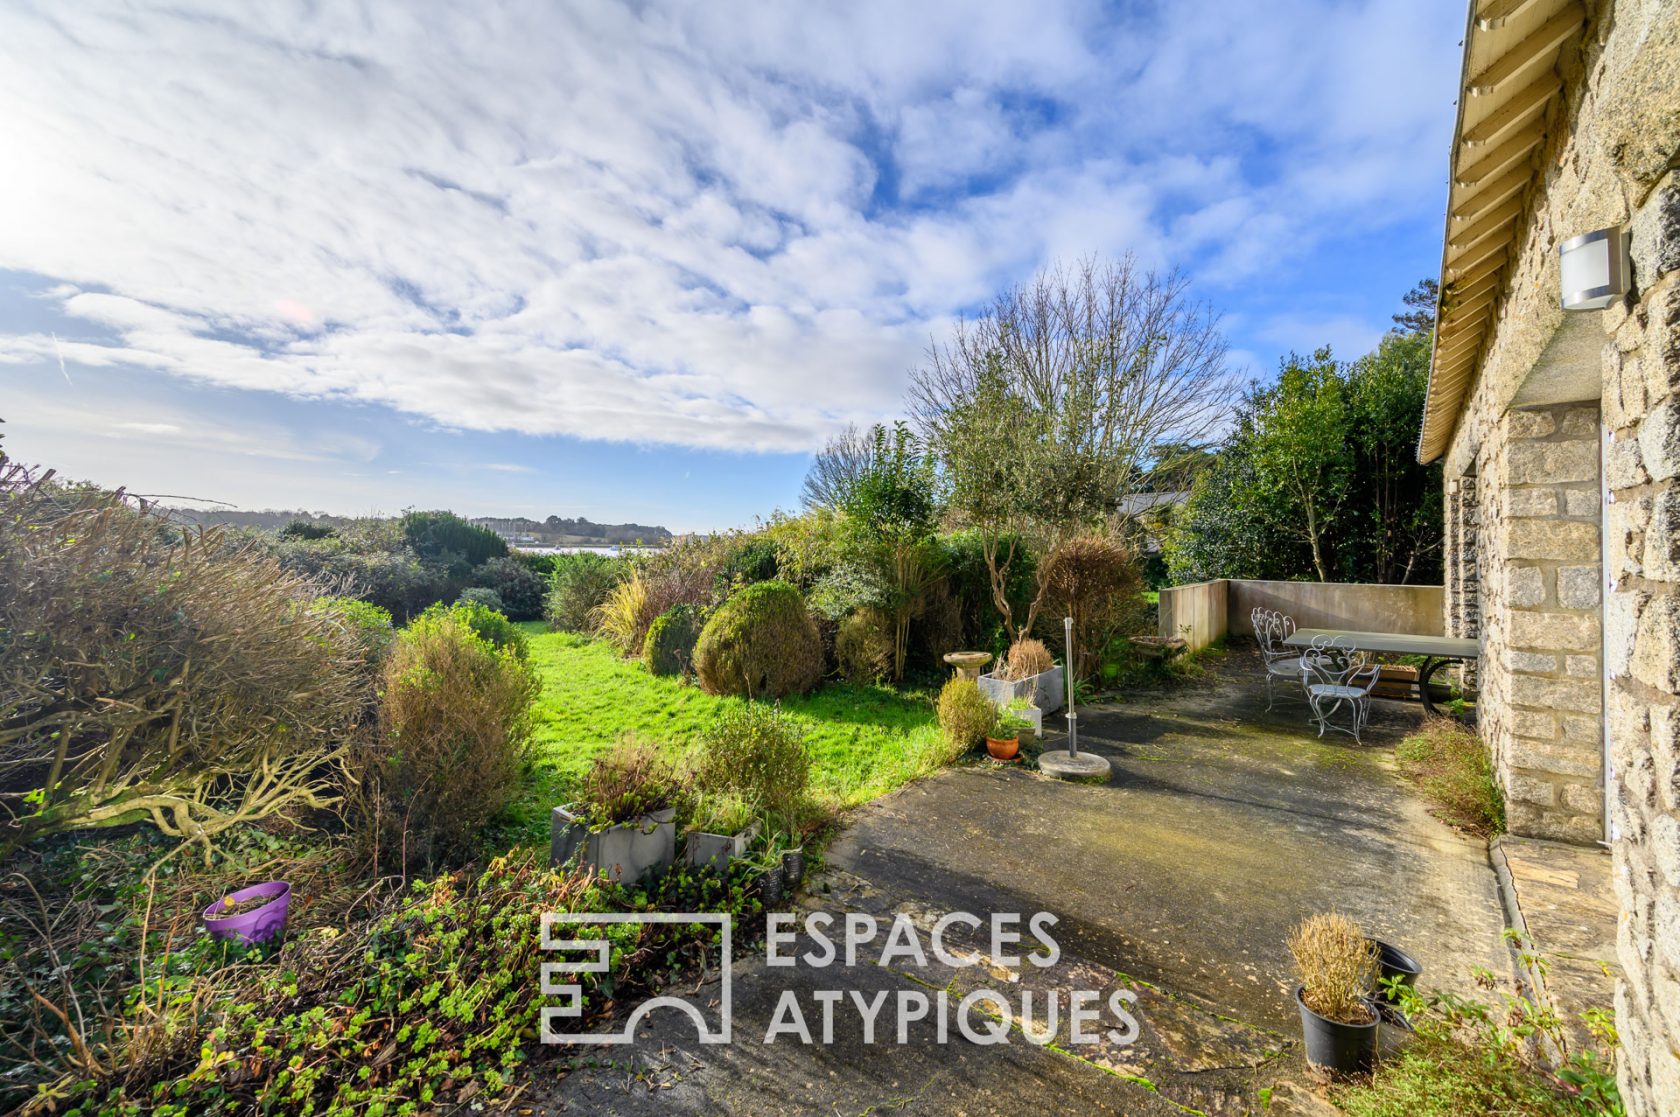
(613, 549)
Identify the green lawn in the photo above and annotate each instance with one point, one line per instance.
(864, 741)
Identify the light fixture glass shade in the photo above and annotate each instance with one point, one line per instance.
(1593, 269)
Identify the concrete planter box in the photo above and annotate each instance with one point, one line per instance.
(705, 850)
(623, 852)
(1046, 690)
(1035, 716)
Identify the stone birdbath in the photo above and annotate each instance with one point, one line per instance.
(968, 665)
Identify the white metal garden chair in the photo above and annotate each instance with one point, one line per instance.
(1271, 629)
(1337, 678)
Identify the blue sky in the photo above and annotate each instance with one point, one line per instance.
(636, 262)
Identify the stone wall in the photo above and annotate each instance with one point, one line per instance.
(1609, 160)
(1642, 649)
(1548, 743)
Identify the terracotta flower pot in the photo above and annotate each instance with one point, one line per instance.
(1003, 749)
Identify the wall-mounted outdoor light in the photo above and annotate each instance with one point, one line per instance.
(1594, 269)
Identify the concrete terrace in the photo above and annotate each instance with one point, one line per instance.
(1179, 879)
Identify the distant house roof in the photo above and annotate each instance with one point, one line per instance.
(1507, 92)
(1133, 503)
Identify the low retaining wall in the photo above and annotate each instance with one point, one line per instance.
(1205, 612)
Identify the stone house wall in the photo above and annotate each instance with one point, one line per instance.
(1610, 158)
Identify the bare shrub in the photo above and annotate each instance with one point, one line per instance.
(151, 673)
(1027, 658)
(1338, 966)
(1097, 581)
(455, 729)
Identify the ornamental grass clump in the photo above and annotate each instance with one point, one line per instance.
(1027, 658)
(965, 714)
(1452, 766)
(1338, 967)
(629, 781)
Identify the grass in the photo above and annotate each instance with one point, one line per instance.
(1452, 768)
(1437, 1077)
(864, 740)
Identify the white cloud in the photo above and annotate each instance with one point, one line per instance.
(716, 225)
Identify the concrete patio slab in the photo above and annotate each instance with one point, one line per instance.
(1176, 881)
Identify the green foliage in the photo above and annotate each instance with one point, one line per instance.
(484, 596)
(579, 584)
(451, 542)
(759, 753)
(372, 562)
(864, 647)
(669, 647)
(366, 623)
(519, 585)
(889, 514)
(487, 623)
(761, 643)
(304, 529)
(1097, 581)
(751, 558)
(455, 731)
(1318, 478)
(1468, 1057)
(1454, 768)
(633, 778)
(965, 714)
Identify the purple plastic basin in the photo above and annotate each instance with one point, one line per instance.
(258, 925)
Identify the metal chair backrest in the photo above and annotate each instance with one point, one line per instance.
(1271, 629)
(1334, 662)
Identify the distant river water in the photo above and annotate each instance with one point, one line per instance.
(610, 549)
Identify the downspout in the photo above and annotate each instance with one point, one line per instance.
(1607, 584)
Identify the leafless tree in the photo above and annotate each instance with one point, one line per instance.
(1048, 408)
(840, 462)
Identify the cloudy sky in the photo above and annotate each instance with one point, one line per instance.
(636, 261)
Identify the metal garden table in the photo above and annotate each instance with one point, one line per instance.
(1437, 651)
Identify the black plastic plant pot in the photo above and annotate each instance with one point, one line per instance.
(1336, 1047)
(793, 867)
(1395, 963)
(771, 886)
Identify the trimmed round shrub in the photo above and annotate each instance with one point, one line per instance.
(758, 753)
(965, 714)
(482, 595)
(487, 623)
(669, 647)
(761, 643)
(454, 733)
(520, 587)
(863, 645)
